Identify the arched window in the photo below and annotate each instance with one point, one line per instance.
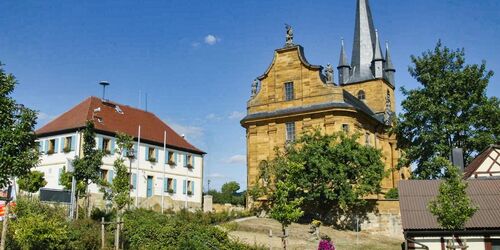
(361, 95)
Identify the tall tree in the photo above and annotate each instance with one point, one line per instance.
(18, 152)
(449, 110)
(333, 173)
(88, 167)
(452, 206)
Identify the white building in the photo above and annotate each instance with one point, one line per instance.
(166, 166)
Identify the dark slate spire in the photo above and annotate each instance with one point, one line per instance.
(343, 68)
(377, 54)
(364, 41)
(378, 59)
(389, 69)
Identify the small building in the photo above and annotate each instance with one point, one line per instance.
(421, 229)
(164, 165)
(485, 165)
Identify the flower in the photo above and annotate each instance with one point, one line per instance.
(326, 245)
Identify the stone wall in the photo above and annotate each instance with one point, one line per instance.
(386, 221)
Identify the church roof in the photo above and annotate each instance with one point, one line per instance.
(112, 118)
(349, 102)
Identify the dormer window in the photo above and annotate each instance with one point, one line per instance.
(289, 95)
(361, 95)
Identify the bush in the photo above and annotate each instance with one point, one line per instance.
(392, 194)
(37, 231)
(85, 234)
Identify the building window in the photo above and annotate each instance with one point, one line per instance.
(367, 139)
(68, 142)
(106, 145)
(170, 158)
(189, 161)
(345, 128)
(190, 188)
(361, 95)
(169, 186)
(151, 154)
(52, 147)
(104, 174)
(289, 91)
(290, 131)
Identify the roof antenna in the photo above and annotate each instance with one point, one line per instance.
(104, 84)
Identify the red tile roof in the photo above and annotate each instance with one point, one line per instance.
(110, 120)
(414, 195)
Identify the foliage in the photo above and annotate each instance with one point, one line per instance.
(84, 234)
(25, 207)
(392, 194)
(450, 110)
(18, 152)
(333, 173)
(32, 182)
(87, 168)
(285, 207)
(37, 231)
(229, 194)
(452, 206)
(120, 187)
(146, 229)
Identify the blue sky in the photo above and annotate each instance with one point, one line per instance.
(196, 59)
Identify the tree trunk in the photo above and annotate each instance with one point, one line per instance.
(283, 239)
(5, 224)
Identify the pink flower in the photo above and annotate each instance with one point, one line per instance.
(326, 245)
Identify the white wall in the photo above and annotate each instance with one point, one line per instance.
(434, 243)
(53, 164)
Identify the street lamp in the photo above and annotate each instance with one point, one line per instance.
(130, 156)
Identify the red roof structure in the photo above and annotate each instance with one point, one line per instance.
(110, 118)
(490, 157)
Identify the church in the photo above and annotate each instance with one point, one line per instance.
(293, 96)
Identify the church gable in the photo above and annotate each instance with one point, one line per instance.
(290, 81)
(485, 165)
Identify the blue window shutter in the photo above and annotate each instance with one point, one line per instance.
(56, 146)
(192, 187)
(73, 143)
(112, 147)
(99, 142)
(136, 151)
(166, 156)
(146, 153)
(40, 146)
(165, 185)
(134, 180)
(124, 152)
(175, 186)
(110, 176)
(192, 161)
(184, 187)
(156, 155)
(175, 158)
(46, 146)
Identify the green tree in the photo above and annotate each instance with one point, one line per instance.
(449, 110)
(65, 180)
(333, 173)
(119, 189)
(18, 153)
(32, 182)
(452, 206)
(88, 168)
(230, 187)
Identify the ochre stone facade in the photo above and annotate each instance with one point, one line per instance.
(316, 104)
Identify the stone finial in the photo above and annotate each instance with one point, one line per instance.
(289, 36)
(255, 86)
(329, 74)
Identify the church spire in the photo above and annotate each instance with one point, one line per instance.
(343, 68)
(389, 69)
(363, 45)
(378, 59)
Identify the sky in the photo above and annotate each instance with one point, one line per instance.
(196, 60)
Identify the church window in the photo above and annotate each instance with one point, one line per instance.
(345, 128)
(290, 131)
(367, 139)
(361, 95)
(289, 91)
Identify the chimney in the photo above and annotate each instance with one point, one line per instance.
(457, 158)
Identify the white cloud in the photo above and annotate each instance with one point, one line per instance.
(44, 116)
(236, 159)
(211, 39)
(195, 44)
(236, 115)
(191, 132)
(212, 117)
(216, 176)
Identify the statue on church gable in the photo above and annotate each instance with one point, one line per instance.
(388, 112)
(289, 36)
(255, 86)
(329, 74)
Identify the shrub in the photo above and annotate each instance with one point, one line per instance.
(392, 194)
(85, 234)
(37, 231)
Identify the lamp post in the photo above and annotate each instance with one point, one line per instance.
(130, 156)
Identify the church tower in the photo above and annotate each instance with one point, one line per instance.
(293, 96)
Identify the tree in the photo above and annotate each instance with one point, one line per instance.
(452, 206)
(32, 182)
(449, 110)
(65, 180)
(333, 173)
(18, 153)
(119, 189)
(230, 187)
(228, 194)
(285, 207)
(88, 168)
